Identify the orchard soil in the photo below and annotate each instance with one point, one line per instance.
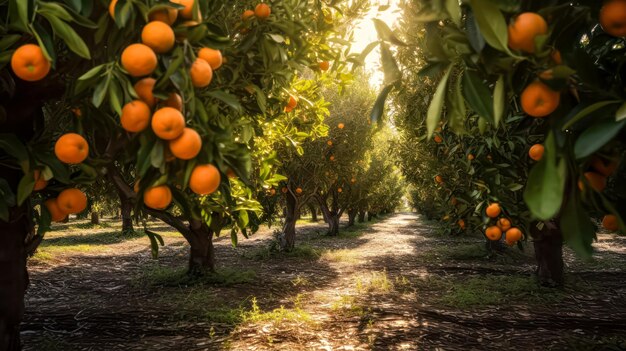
(391, 284)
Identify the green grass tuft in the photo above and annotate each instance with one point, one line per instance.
(303, 252)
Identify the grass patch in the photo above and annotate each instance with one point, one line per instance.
(277, 316)
(347, 305)
(376, 282)
(304, 252)
(341, 255)
(104, 238)
(168, 276)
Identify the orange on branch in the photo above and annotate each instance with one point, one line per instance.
(40, 182)
(298, 190)
(293, 102)
(56, 214)
(71, 148)
(247, 14)
(187, 12)
(601, 166)
(613, 17)
(597, 181)
(139, 60)
(324, 65)
(135, 116)
(157, 197)
(439, 179)
(144, 88)
(610, 223)
(72, 201)
(438, 139)
(187, 145)
(201, 73)
(204, 179)
(461, 224)
(524, 29)
(168, 123)
(212, 57)
(166, 15)
(504, 224)
(329, 143)
(262, 11)
(112, 8)
(341, 125)
(284, 190)
(513, 235)
(29, 63)
(493, 210)
(493, 233)
(158, 36)
(538, 100)
(536, 152)
(174, 101)
(470, 157)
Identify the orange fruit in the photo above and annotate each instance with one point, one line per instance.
(461, 223)
(339, 190)
(288, 109)
(186, 12)
(56, 214)
(597, 181)
(353, 180)
(609, 222)
(247, 14)
(187, 145)
(139, 60)
(77, 112)
(438, 139)
(166, 15)
(29, 63)
(157, 197)
(230, 173)
(212, 56)
(174, 101)
(470, 157)
(298, 190)
(201, 73)
(513, 235)
(144, 88)
(341, 125)
(439, 179)
(493, 233)
(600, 166)
(332, 157)
(538, 100)
(204, 179)
(293, 102)
(135, 116)
(453, 201)
(272, 192)
(324, 65)
(136, 186)
(536, 152)
(504, 224)
(284, 190)
(112, 8)
(524, 29)
(493, 210)
(168, 123)
(262, 11)
(158, 36)
(72, 201)
(329, 143)
(71, 148)
(613, 17)
(555, 55)
(40, 182)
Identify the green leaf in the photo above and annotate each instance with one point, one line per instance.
(385, 33)
(242, 219)
(8, 40)
(4, 211)
(14, 147)
(436, 105)
(53, 9)
(92, 72)
(478, 95)
(546, 183)
(155, 241)
(157, 155)
(390, 66)
(100, 91)
(230, 99)
(458, 112)
(491, 23)
(69, 36)
(25, 187)
(115, 96)
(596, 136)
(576, 226)
(454, 10)
(587, 111)
(379, 105)
(499, 102)
(621, 113)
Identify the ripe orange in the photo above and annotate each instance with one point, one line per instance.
(56, 213)
(493, 233)
(139, 60)
(293, 102)
(157, 197)
(613, 17)
(461, 223)
(339, 190)
(438, 139)
(600, 166)
(493, 210)
(439, 179)
(112, 8)
(247, 14)
(77, 112)
(201, 73)
(187, 145)
(158, 36)
(166, 15)
(324, 65)
(329, 143)
(298, 190)
(29, 63)
(168, 123)
(555, 55)
(341, 125)
(453, 201)
(40, 182)
(144, 88)
(262, 11)
(538, 100)
(272, 192)
(187, 13)
(72, 201)
(205, 179)
(284, 190)
(504, 224)
(536, 152)
(353, 180)
(609, 222)
(71, 148)
(524, 29)
(513, 235)
(597, 181)
(470, 157)
(212, 56)
(174, 101)
(135, 116)
(332, 157)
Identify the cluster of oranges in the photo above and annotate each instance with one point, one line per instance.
(596, 176)
(291, 103)
(69, 201)
(503, 225)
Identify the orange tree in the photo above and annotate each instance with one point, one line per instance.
(163, 97)
(508, 75)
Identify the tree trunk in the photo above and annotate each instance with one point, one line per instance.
(289, 229)
(548, 243)
(370, 215)
(361, 218)
(127, 219)
(95, 218)
(313, 211)
(351, 217)
(201, 253)
(333, 224)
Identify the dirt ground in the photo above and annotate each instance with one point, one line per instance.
(394, 284)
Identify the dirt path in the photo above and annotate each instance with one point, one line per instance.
(396, 285)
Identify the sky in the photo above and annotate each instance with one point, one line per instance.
(365, 34)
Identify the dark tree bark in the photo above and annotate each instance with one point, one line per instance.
(548, 243)
(351, 216)
(127, 218)
(95, 218)
(331, 215)
(313, 211)
(361, 218)
(291, 216)
(370, 215)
